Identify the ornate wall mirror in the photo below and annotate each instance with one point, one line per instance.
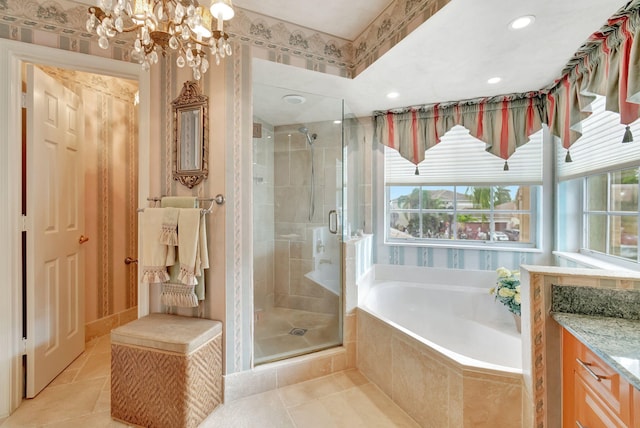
(191, 135)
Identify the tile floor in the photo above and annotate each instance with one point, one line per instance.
(273, 341)
(79, 397)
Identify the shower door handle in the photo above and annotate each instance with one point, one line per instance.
(333, 214)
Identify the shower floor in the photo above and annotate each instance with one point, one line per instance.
(273, 339)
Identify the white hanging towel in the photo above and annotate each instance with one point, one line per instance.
(189, 244)
(169, 234)
(155, 254)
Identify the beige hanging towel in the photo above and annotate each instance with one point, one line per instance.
(189, 244)
(179, 202)
(176, 294)
(202, 258)
(155, 254)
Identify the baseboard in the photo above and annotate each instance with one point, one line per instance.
(104, 325)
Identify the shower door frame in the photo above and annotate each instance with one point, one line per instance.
(339, 235)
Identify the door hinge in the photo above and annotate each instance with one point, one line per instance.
(23, 222)
(23, 346)
(23, 100)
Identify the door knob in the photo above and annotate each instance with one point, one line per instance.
(129, 260)
(83, 239)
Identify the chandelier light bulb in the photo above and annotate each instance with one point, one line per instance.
(165, 26)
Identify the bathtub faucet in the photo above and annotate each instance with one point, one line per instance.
(325, 261)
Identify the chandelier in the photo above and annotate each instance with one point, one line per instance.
(183, 26)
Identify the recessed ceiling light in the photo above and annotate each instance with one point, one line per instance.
(522, 22)
(494, 80)
(337, 122)
(294, 99)
(393, 95)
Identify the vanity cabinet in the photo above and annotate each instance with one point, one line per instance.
(594, 395)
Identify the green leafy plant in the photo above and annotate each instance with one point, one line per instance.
(507, 289)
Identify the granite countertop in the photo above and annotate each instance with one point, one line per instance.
(606, 320)
(615, 340)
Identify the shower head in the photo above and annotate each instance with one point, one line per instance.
(310, 137)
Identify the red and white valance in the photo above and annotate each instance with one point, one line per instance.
(504, 124)
(608, 64)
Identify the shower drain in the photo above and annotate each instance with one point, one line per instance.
(298, 331)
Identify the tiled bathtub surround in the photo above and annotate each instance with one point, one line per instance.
(432, 389)
(432, 384)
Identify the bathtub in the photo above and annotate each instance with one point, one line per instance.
(463, 323)
(437, 336)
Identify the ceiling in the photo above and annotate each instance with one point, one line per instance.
(448, 58)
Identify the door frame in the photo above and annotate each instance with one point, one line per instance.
(12, 55)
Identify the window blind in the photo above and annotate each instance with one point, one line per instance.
(600, 147)
(460, 158)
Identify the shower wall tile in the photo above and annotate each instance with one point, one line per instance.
(292, 190)
(292, 204)
(332, 156)
(298, 141)
(297, 248)
(299, 285)
(290, 231)
(281, 169)
(281, 274)
(300, 168)
(263, 224)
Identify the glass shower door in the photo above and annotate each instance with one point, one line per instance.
(297, 212)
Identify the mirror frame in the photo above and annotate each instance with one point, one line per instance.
(191, 98)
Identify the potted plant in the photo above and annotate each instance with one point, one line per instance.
(507, 291)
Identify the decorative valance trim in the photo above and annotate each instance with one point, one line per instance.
(607, 64)
(504, 123)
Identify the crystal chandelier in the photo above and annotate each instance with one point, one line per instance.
(183, 26)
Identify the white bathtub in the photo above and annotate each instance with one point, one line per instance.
(453, 313)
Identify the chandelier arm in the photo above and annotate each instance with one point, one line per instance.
(101, 15)
(159, 32)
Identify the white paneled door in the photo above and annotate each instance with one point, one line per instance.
(55, 222)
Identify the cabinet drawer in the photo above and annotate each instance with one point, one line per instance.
(613, 392)
(591, 411)
(604, 381)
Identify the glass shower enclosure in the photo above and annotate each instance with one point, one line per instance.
(297, 222)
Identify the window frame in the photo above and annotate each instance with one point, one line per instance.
(534, 213)
(609, 213)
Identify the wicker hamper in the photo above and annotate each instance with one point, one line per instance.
(166, 371)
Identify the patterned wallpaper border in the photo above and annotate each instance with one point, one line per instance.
(61, 24)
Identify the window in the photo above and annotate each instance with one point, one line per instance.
(467, 213)
(611, 213)
(463, 194)
(607, 172)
